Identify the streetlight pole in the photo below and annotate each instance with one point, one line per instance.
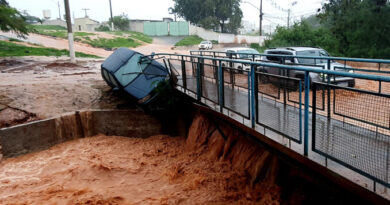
(261, 17)
(112, 20)
(70, 32)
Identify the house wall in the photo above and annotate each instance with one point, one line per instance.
(56, 22)
(85, 24)
(137, 26)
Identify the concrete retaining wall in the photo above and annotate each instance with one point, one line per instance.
(40, 135)
(225, 37)
(203, 33)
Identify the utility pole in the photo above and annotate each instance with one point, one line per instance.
(112, 20)
(289, 11)
(85, 10)
(70, 33)
(59, 10)
(288, 18)
(261, 17)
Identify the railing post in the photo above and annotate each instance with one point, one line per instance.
(307, 105)
(253, 95)
(215, 68)
(221, 99)
(300, 110)
(199, 80)
(183, 73)
(313, 115)
(380, 82)
(231, 71)
(328, 64)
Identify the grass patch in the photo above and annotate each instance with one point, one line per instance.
(14, 40)
(141, 37)
(257, 47)
(83, 34)
(136, 35)
(48, 27)
(189, 41)
(112, 43)
(53, 33)
(12, 49)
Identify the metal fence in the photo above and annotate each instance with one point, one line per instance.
(346, 123)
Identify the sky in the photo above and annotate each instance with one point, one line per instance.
(274, 10)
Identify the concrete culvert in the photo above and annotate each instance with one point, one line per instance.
(127, 157)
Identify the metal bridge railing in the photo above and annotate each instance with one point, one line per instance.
(346, 123)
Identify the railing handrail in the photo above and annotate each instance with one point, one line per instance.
(308, 57)
(290, 67)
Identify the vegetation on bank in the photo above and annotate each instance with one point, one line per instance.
(12, 49)
(112, 43)
(125, 39)
(344, 28)
(135, 35)
(189, 41)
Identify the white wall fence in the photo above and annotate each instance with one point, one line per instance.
(225, 37)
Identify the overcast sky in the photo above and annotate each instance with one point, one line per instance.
(274, 10)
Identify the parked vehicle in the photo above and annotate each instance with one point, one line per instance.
(307, 62)
(247, 54)
(205, 45)
(135, 73)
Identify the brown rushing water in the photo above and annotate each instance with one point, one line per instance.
(119, 170)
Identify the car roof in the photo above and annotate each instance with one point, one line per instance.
(294, 49)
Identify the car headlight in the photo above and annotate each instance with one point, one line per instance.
(323, 75)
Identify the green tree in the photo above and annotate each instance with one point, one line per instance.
(102, 28)
(12, 20)
(361, 27)
(303, 34)
(121, 22)
(211, 14)
(31, 19)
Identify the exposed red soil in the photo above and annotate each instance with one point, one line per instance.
(11, 116)
(61, 64)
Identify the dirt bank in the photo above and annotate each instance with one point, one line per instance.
(47, 86)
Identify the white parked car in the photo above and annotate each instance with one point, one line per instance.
(205, 45)
(241, 54)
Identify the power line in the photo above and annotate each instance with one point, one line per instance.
(276, 6)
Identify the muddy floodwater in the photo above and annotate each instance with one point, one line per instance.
(119, 170)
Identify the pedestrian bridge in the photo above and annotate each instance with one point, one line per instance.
(345, 129)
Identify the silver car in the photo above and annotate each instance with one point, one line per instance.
(307, 62)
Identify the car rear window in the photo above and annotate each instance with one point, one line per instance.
(278, 58)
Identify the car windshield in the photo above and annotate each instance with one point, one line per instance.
(204, 42)
(319, 53)
(246, 53)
